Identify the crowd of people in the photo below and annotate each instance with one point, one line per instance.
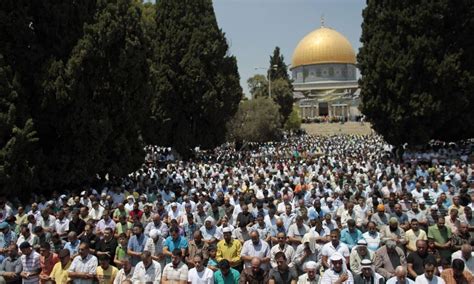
(308, 209)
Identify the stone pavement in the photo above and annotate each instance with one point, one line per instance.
(337, 128)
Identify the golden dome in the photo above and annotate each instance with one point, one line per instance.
(323, 45)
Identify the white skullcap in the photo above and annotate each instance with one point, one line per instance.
(209, 218)
(154, 233)
(311, 265)
(335, 257)
(366, 263)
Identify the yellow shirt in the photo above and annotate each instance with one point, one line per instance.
(230, 252)
(106, 276)
(59, 274)
(21, 219)
(411, 238)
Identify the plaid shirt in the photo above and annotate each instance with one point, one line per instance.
(31, 264)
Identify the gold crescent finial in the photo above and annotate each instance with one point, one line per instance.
(322, 20)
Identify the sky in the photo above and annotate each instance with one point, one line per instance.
(254, 28)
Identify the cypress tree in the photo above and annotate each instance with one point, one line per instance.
(37, 38)
(282, 88)
(17, 140)
(106, 77)
(417, 69)
(196, 82)
(278, 68)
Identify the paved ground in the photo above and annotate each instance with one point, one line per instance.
(337, 128)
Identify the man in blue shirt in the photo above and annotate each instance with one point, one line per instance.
(136, 244)
(351, 235)
(174, 241)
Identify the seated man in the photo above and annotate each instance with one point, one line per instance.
(467, 256)
(387, 258)
(416, 260)
(282, 274)
(226, 274)
(311, 276)
(351, 235)
(358, 254)
(11, 267)
(368, 274)
(400, 277)
(429, 275)
(254, 274)
(337, 273)
(457, 274)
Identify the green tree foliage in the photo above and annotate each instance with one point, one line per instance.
(83, 78)
(282, 94)
(37, 37)
(257, 120)
(278, 68)
(417, 69)
(282, 88)
(258, 86)
(106, 91)
(196, 82)
(34, 35)
(294, 120)
(17, 139)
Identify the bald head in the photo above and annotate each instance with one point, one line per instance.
(466, 251)
(255, 262)
(400, 272)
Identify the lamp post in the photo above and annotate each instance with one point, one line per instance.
(274, 67)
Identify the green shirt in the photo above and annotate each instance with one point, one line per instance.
(232, 277)
(118, 213)
(120, 253)
(123, 229)
(440, 236)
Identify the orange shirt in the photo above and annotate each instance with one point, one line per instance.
(47, 264)
(448, 276)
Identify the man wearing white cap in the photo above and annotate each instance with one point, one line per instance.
(337, 272)
(358, 254)
(130, 202)
(332, 247)
(154, 245)
(311, 276)
(367, 274)
(229, 249)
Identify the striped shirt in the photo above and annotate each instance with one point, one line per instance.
(31, 264)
